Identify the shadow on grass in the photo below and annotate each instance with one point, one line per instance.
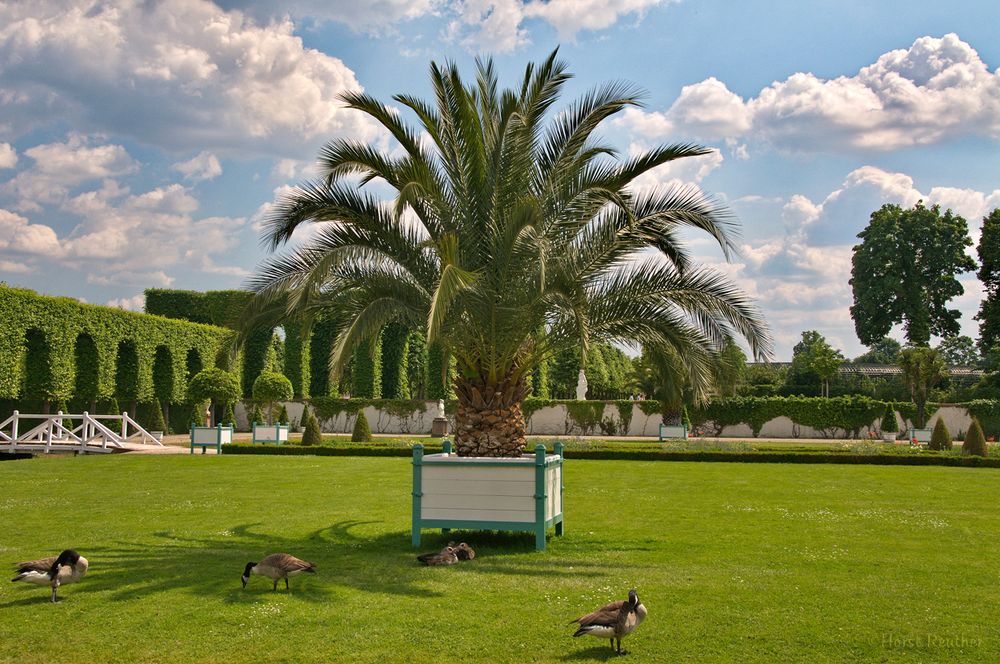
(600, 653)
(346, 561)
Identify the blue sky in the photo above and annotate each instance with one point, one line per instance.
(140, 143)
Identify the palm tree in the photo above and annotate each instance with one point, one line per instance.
(511, 237)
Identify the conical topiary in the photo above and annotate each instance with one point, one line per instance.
(312, 435)
(975, 441)
(154, 421)
(197, 415)
(940, 438)
(229, 415)
(283, 415)
(362, 432)
(889, 420)
(257, 415)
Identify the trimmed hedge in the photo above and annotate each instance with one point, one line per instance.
(49, 329)
(389, 450)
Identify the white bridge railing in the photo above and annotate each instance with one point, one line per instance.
(53, 433)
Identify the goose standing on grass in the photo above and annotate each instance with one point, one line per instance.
(277, 566)
(445, 556)
(54, 571)
(613, 621)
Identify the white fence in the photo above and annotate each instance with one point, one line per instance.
(67, 432)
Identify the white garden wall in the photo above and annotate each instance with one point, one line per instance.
(554, 420)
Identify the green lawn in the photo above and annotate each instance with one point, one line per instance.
(735, 562)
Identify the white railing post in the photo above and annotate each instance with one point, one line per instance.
(48, 435)
(13, 433)
(85, 431)
(124, 425)
(58, 423)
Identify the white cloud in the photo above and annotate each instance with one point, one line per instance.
(8, 156)
(370, 15)
(203, 166)
(58, 167)
(688, 171)
(498, 26)
(936, 90)
(181, 74)
(146, 279)
(134, 303)
(15, 267)
(19, 236)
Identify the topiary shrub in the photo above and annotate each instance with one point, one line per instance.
(362, 432)
(272, 386)
(257, 415)
(889, 420)
(283, 415)
(214, 385)
(975, 441)
(229, 415)
(312, 434)
(154, 420)
(940, 438)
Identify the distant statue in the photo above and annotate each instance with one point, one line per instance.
(441, 414)
(581, 386)
(208, 416)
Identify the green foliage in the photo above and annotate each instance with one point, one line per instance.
(312, 434)
(883, 352)
(416, 365)
(904, 271)
(362, 433)
(74, 349)
(283, 415)
(975, 441)
(846, 414)
(940, 437)
(959, 351)
(214, 385)
(297, 360)
(922, 368)
(540, 380)
(731, 370)
(271, 387)
(625, 414)
(324, 329)
(989, 275)
(86, 379)
(888, 424)
(395, 359)
(438, 373)
(987, 413)
(563, 374)
(814, 361)
(586, 415)
(195, 415)
(685, 419)
(257, 415)
(154, 417)
(367, 376)
(228, 415)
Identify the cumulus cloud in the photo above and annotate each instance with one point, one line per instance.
(203, 166)
(498, 26)
(135, 303)
(19, 236)
(181, 74)
(371, 15)
(8, 156)
(689, 171)
(938, 89)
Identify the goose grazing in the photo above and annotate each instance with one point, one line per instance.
(445, 556)
(277, 566)
(54, 571)
(463, 551)
(613, 621)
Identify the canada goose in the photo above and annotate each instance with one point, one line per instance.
(277, 566)
(463, 551)
(54, 571)
(613, 621)
(445, 556)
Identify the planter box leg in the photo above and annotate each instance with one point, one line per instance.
(559, 528)
(415, 540)
(540, 539)
(445, 531)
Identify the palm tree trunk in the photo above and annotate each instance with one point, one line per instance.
(489, 421)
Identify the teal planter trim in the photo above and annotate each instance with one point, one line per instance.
(663, 426)
(541, 461)
(217, 443)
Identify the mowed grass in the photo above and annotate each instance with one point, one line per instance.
(735, 562)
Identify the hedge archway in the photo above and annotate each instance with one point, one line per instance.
(38, 376)
(88, 372)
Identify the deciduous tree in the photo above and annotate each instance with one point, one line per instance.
(989, 274)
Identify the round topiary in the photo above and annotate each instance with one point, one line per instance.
(272, 386)
(975, 441)
(889, 420)
(362, 432)
(214, 385)
(940, 438)
(312, 435)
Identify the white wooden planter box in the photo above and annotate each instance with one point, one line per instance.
(205, 437)
(668, 431)
(920, 435)
(488, 493)
(273, 433)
